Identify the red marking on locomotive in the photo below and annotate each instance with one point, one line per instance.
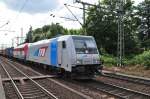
(42, 51)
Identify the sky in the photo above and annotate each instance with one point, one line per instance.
(16, 16)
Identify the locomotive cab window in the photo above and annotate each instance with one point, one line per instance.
(63, 44)
(85, 45)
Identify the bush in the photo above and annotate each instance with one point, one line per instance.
(109, 60)
(142, 59)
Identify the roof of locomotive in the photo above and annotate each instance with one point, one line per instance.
(64, 36)
(60, 38)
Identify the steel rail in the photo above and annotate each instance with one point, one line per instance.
(13, 83)
(109, 92)
(34, 82)
(121, 88)
(60, 84)
(127, 78)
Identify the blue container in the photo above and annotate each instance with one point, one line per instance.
(9, 52)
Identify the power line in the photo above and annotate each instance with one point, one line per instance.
(76, 7)
(19, 12)
(7, 30)
(63, 17)
(4, 24)
(22, 8)
(73, 15)
(120, 14)
(68, 18)
(84, 12)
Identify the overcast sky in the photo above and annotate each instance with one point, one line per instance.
(36, 13)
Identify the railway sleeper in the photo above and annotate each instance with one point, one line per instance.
(25, 78)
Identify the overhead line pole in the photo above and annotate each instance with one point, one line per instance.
(120, 10)
(148, 19)
(84, 16)
(21, 39)
(84, 20)
(120, 45)
(12, 42)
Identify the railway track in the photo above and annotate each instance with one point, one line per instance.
(24, 90)
(128, 78)
(117, 92)
(121, 92)
(38, 88)
(109, 89)
(61, 88)
(123, 81)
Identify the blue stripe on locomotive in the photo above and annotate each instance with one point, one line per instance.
(53, 52)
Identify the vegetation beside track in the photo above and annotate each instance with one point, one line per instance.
(138, 65)
(142, 59)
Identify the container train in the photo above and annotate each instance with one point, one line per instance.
(70, 55)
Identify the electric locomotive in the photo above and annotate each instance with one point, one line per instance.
(70, 55)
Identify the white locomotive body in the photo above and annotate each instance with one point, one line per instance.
(76, 55)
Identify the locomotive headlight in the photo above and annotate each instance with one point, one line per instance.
(79, 61)
(96, 61)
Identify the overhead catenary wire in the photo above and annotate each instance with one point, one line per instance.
(4, 24)
(76, 7)
(24, 4)
(19, 12)
(52, 15)
(17, 15)
(120, 14)
(73, 15)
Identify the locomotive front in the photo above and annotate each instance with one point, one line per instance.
(87, 56)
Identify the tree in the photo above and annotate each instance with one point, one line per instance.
(29, 36)
(103, 25)
(50, 31)
(37, 34)
(143, 11)
(75, 31)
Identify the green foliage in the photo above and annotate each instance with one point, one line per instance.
(143, 14)
(146, 44)
(109, 60)
(75, 31)
(142, 59)
(103, 25)
(36, 38)
(50, 31)
(29, 36)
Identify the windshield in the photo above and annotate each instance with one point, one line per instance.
(85, 45)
